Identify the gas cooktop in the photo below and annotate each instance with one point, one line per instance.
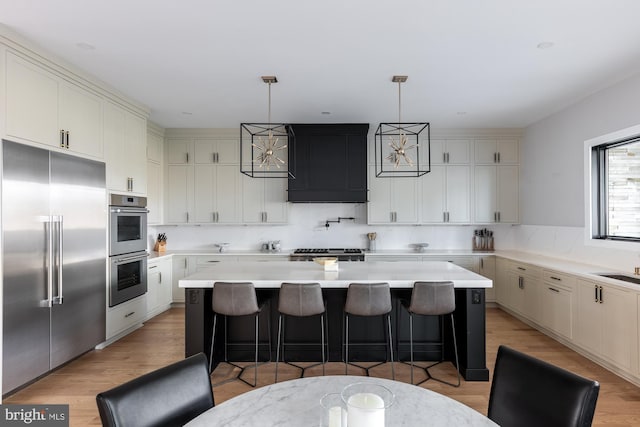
(348, 254)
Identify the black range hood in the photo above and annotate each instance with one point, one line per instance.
(331, 163)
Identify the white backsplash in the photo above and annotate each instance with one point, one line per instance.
(568, 243)
(306, 228)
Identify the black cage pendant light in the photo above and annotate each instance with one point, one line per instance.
(266, 149)
(402, 150)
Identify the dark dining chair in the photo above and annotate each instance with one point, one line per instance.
(168, 397)
(528, 392)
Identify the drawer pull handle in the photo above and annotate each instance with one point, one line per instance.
(556, 278)
(522, 269)
(554, 290)
(130, 314)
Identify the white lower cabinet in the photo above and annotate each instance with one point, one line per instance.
(607, 322)
(558, 306)
(182, 266)
(487, 268)
(126, 315)
(159, 286)
(523, 291)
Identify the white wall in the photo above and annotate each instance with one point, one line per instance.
(551, 162)
(552, 177)
(306, 229)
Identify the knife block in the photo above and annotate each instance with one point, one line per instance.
(160, 246)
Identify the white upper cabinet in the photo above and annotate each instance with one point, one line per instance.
(208, 151)
(501, 151)
(264, 200)
(155, 146)
(125, 138)
(392, 200)
(43, 108)
(449, 151)
(203, 181)
(445, 195)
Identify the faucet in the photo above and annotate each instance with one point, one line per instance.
(327, 224)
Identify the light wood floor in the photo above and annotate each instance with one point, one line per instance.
(161, 341)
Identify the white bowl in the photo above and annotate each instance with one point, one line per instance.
(325, 260)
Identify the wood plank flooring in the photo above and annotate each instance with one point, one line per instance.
(161, 341)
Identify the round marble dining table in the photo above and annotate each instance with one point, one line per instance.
(296, 403)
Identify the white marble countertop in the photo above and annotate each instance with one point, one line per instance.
(398, 274)
(296, 403)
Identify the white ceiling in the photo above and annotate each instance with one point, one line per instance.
(471, 63)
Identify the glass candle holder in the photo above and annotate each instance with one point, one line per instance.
(367, 404)
(334, 413)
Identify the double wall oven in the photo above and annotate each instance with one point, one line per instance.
(127, 248)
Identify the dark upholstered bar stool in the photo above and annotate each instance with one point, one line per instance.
(235, 299)
(433, 299)
(368, 299)
(300, 300)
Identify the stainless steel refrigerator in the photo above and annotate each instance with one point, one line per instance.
(54, 260)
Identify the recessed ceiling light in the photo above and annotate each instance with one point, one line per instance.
(461, 113)
(545, 45)
(85, 46)
(326, 113)
(187, 113)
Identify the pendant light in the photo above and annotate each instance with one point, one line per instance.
(401, 150)
(266, 149)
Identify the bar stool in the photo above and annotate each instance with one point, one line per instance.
(433, 299)
(300, 300)
(368, 299)
(235, 299)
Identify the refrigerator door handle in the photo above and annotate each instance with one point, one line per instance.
(58, 221)
(48, 226)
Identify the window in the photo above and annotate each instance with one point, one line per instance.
(616, 190)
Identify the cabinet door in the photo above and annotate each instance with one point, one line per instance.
(458, 151)
(275, 200)
(404, 199)
(180, 269)
(154, 191)
(179, 194)
(588, 316)
(434, 195)
(485, 151)
(114, 137)
(227, 190)
(379, 206)
(205, 151)
(179, 151)
(487, 268)
(204, 189)
(134, 152)
(81, 116)
(32, 102)
(508, 151)
(154, 147)
(515, 294)
(507, 194)
(437, 148)
(154, 277)
(485, 193)
(501, 284)
(252, 200)
(457, 190)
(619, 326)
(228, 151)
(557, 309)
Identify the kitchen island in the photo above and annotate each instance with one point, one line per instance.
(268, 276)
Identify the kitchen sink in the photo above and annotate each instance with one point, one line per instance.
(624, 278)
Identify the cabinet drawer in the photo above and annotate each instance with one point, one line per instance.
(524, 269)
(126, 315)
(560, 279)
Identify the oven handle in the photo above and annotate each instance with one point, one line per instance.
(129, 210)
(131, 258)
